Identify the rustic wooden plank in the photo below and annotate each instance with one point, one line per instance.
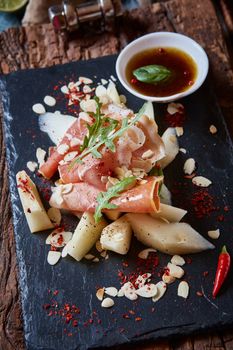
(39, 46)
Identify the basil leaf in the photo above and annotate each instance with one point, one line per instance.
(152, 74)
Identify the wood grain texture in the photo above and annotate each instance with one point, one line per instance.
(39, 46)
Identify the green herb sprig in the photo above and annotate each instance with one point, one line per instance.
(103, 198)
(103, 132)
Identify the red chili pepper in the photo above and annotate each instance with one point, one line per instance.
(224, 262)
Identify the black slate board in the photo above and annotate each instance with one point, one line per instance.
(76, 282)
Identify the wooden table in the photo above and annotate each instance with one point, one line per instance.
(39, 46)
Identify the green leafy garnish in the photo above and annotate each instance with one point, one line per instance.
(156, 171)
(152, 74)
(103, 198)
(103, 132)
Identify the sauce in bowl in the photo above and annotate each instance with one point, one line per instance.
(182, 67)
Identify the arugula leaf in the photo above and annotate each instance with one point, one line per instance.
(152, 74)
(104, 133)
(103, 198)
(156, 171)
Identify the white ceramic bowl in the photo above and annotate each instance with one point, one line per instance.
(164, 39)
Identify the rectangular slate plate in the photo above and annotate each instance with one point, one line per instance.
(73, 283)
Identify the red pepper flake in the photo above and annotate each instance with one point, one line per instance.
(46, 306)
(220, 218)
(90, 321)
(54, 249)
(203, 203)
(126, 316)
(137, 319)
(189, 260)
(122, 330)
(205, 273)
(125, 264)
(75, 323)
(133, 81)
(226, 208)
(99, 321)
(131, 312)
(152, 309)
(55, 292)
(199, 294)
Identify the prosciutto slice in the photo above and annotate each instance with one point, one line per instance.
(70, 142)
(142, 198)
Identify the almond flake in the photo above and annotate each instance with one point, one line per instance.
(112, 291)
(148, 154)
(85, 80)
(168, 279)
(213, 129)
(65, 90)
(89, 257)
(55, 215)
(40, 155)
(49, 101)
(85, 116)
(145, 253)
(70, 156)
(177, 260)
(100, 294)
(107, 257)
(161, 289)
(183, 150)
(98, 247)
(201, 181)
(63, 148)
(64, 252)
(173, 108)
(179, 131)
(75, 142)
(38, 108)
(142, 279)
(67, 236)
(32, 166)
(53, 257)
(189, 166)
(100, 91)
(214, 234)
(120, 293)
(88, 106)
(175, 271)
(147, 291)
(183, 290)
(96, 260)
(129, 291)
(113, 78)
(103, 254)
(86, 89)
(123, 99)
(107, 302)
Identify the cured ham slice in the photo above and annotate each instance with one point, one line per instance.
(70, 142)
(142, 198)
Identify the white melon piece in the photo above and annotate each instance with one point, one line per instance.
(174, 238)
(171, 147)
(117, 236)
(85, 236)
(170, 213)
(33, 208)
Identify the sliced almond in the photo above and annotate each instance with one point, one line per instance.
(145, 253)
(104, 81)
(112, 291)
(183, 289)
(183, 150)
(63, 148)
(175, 271)
(213, 129)
(103, 254)
(100, 294)
(85, 80)
(123, 99)
(53, 257)
(120, 293)
(86, 89)
(70, 156)
(161, 290)
(142, 279)
(65, 90)
(201, 181)
(179, 131)
(177, 260)
(189, 166)
(214, 234)
(147, 291)
(89, 257)
(129, 291)
(55, 215)
(168, 279)
(32, 166)
(40, 155)
(107, 302)
(98, 247)
(38, 108)
(49, 101)
(96, 260)
(100, 91)
(64, 252)
(173, 108)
